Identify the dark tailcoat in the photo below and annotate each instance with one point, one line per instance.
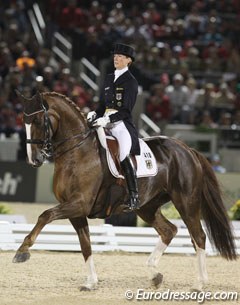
(121, 95)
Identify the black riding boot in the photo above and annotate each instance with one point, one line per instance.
(131, 179)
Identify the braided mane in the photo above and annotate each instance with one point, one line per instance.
(66, 100)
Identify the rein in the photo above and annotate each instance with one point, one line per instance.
(85, 136)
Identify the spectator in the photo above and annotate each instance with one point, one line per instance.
(167, 60)
(189, 110)
(151, 60)
(216, 164)
(203, 44)
(224, 98)
(193, 22)
(117, 14)
(206, 121)
(192, 59)
(5, 60)
(212, 34)
(78, 94)
(173, 11)
(213, 62)
(72, 16)
(45, 59)
(225, 119)
(207, 98)
(164, 80)
(237, 99)
(158, 106)
(61, 85)
(236, 118)
(48, 78)
(178, 94)
(233, 60)
(25, 61)
(13, 82)
(8, 118)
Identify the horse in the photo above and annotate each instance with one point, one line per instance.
(57, 129)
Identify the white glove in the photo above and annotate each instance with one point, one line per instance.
(91, 116)
(101, 122)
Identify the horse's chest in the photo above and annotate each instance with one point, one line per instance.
(63, 183)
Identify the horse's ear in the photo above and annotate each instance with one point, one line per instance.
(38, 97)
(20, 96)
(40, 100)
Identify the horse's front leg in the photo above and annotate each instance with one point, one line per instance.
(61, 211)
(80, 224)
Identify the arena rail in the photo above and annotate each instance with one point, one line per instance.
(103, 238)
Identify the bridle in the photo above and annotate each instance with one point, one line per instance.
(48, 151)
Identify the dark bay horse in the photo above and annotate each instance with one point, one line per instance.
(56, 127)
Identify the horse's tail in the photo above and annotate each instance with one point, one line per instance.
(214, 213)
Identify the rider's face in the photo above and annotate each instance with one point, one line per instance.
(121, 61)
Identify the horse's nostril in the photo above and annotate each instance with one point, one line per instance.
(37, 163)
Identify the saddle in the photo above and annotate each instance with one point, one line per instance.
(145, 164)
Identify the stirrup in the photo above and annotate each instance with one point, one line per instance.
(134, 202)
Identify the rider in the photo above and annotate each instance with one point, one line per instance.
(117, 100)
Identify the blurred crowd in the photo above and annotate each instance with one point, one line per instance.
(188, 56)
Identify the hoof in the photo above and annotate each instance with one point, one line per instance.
(84, 288)
(197, 287)
(21, 257)
(88, 288)
(157, 280)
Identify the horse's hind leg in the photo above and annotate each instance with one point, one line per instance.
(199, 240)
(189, 209)
(166, 231)
(80, 225)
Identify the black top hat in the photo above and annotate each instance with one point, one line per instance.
(124, 49)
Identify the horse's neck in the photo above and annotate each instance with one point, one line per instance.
(68, 128)
(70, 122)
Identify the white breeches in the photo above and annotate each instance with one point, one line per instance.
(120, 132)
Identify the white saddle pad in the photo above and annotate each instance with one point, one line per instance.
(146, 162)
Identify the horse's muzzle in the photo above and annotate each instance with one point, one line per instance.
(38, 161)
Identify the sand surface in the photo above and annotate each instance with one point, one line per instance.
(54, 278)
